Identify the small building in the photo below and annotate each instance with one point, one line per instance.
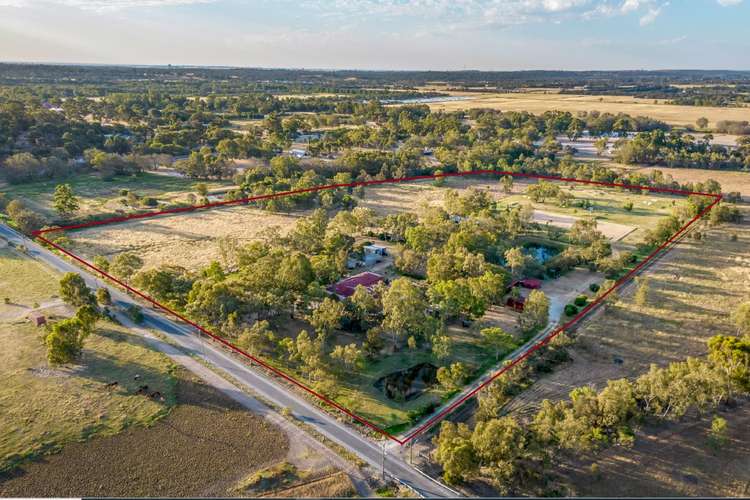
(37, 319)
(516, 303)
(528, 283)
(345, 288)
(375, 250)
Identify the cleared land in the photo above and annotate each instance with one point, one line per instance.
(537, 103)
(98, 195)
(187, 240)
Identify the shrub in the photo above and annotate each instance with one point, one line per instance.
(150, 202)
(571, 310)
(134, 313)
(581, 300)
(594, 287)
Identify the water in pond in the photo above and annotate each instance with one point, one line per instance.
(408, 384)
(540, 253)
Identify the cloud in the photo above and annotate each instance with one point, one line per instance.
(728, 3)
(104, 5)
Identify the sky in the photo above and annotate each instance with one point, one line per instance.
(382, 34)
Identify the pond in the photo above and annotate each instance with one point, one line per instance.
(540, 253)
(408, 384)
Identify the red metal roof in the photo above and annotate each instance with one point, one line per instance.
(345, 287)
(530, 283)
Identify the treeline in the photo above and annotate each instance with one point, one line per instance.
(509, 452)
(680, 150)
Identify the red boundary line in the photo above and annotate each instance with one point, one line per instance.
(436, 418)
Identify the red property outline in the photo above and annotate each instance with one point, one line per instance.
(442, 414)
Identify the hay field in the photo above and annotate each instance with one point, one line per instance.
(538, 103)
(189, 240)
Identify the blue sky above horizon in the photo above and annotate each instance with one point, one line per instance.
(382, 34)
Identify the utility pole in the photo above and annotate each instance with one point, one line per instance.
(411, 452)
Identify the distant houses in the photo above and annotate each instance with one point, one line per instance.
(345, 288)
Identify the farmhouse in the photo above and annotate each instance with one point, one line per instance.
(345, 288)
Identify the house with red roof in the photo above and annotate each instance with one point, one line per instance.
(345, 288)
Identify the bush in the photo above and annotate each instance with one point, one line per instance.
(150, 202)
(134, 313)
(594, 287)
(571, 310)
(581, 300)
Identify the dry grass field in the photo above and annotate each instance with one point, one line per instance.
(729, 180)
(670, 460)
(188, 240)
(537, 103)
(693, 290)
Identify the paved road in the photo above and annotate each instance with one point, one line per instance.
(260, 383)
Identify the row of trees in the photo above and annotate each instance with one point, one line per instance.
(507, 451)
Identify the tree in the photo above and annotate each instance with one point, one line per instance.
(516, 260)
(125, 265)
(65, 340)
(103, 298)
(74, 291)
(404, 308)
(65, 203)
(26, 220)
(441, 345)
(497, 445)
(535, 315)
(454, 297)
(255, 338)
(601, 145)
(452, 377)
(201, 189)
(498, 339)
(348, 356)
(702, 122)
(454, 452)
(327, 317)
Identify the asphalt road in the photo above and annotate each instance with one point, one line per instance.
(261, 384)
